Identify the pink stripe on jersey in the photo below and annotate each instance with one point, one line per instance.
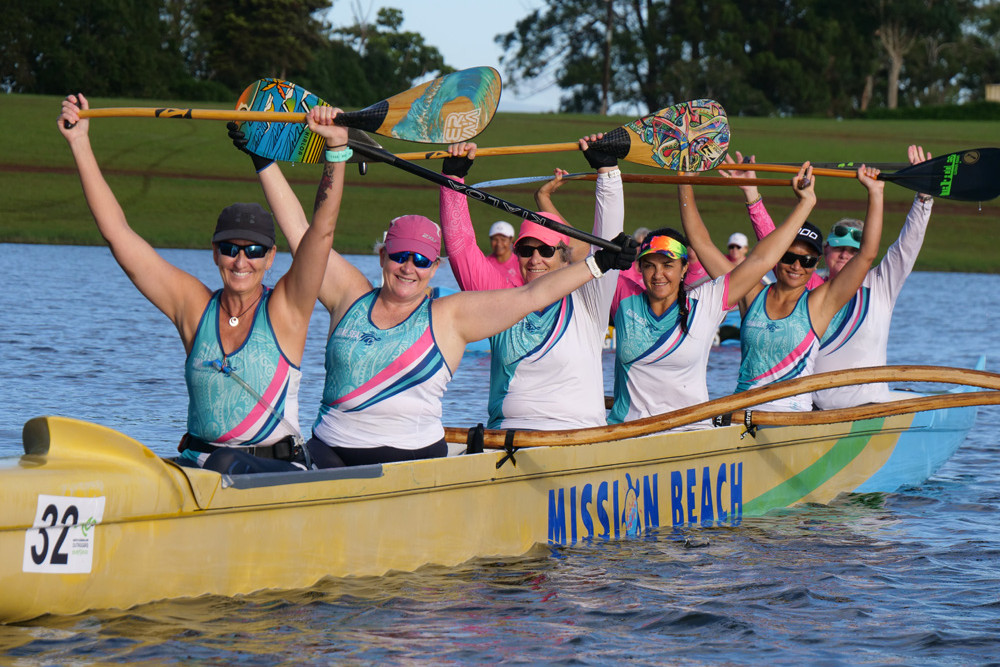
(260, 410)
(395, 370)
(794, 358)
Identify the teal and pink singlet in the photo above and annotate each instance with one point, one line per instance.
(775, 350)
(383, 386)
(658, 367)
(220, 410)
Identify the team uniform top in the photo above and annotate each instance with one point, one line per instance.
(659, 368)
(775, 350)
(545, 370)
(223, 412)
(858, 334)
(383, 386)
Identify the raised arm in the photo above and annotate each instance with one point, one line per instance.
(747, 275)
(179, 295)
(713, 259)
(468, 263)
(826, 300)
(339, 276)
(462, 318)
(296, 292)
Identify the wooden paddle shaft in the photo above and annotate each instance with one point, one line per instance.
(194, 114)
(497, 150)
(654, 179)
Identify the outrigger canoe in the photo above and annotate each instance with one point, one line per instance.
(94, 519)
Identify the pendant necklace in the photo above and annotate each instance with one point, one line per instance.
(234, 320)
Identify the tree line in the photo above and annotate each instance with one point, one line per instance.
(762, 57)
(206, 49)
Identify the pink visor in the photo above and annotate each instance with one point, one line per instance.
(547, 236)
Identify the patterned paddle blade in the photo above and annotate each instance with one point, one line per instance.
(451, 108)
(288, 142)
(692, 136)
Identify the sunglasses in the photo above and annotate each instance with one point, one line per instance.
(805, 261)
(526, 251)
(844, 230)
(252, 250)
(734, 245)
(419, 260)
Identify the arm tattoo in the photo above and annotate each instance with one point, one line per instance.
(325, 184)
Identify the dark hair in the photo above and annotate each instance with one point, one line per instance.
(682, 305)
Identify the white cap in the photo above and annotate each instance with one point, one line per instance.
(738, 238)
(501, 227)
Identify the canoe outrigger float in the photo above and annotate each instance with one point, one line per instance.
(93, 519)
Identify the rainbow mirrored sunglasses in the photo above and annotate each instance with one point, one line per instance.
(665, 245)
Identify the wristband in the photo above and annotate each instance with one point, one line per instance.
(338, 156)
(751, 203)
(592, 265)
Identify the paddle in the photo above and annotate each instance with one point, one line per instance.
(970, 175)
(496, 439)
(451, 108)
(692, 136)
(638, 178)
(382, 155)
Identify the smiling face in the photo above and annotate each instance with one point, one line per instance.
(662, 276)
(535, 266)
(404, 281)
(501, 244)
(239, 274)
(793, 275)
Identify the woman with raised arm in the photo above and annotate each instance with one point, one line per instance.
(244, 342)
(665, 330)
(392, 350)
(545, 371)
(784, 322)
(859, 333)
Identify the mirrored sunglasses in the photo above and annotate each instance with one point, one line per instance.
(805, 261)
(843, 231)
(419, 260)
(252, 250)
(525, 250)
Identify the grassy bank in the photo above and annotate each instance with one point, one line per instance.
(173, 176)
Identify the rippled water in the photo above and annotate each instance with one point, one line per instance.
(909, 578)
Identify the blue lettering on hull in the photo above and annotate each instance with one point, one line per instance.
(707, 495)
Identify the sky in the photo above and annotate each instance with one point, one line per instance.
(463, 31)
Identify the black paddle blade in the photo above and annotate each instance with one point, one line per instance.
(971, 175)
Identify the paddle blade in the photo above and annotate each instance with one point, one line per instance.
(451, 108)
(288, 142)
(693, 136)
(971, 175)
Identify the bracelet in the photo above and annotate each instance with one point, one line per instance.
(751, 203)
(924, 198)
(338, 156)
(594, 269)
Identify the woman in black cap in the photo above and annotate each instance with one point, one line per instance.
(784, 322)
(244, 343)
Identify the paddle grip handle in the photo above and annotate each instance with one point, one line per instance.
(484, 197)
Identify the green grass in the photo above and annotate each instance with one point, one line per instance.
(174, 176)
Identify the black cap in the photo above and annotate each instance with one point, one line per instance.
(245, 221)
(811, 236)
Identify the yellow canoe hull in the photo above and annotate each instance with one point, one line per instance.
(93, 519)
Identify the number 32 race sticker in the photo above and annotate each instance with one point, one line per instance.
(62, 539)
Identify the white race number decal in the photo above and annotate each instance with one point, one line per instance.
(62, 539)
